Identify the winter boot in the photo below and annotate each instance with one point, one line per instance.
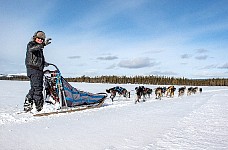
(28, 104)
(39, 105)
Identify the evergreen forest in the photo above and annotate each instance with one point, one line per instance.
(154, 80)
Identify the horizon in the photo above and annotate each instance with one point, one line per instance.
(25, 75)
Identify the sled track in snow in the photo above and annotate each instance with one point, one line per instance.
(196, 131)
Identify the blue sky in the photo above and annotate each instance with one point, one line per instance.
(176, 38)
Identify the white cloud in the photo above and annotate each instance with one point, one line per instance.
(107, 58)
(201, 57)
(74, 57)
(135, 63)
(210, 66)
(161, 73)
(201, 51)
(225, 66)
(186, 56)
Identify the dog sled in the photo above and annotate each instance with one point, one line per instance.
(66, 98)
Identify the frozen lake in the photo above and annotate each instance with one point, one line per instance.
(198, 121)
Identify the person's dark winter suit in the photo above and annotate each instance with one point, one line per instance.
(35, 64)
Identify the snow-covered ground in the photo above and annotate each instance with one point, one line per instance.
(198, 121)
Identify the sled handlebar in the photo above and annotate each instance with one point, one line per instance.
(50, 64)
(53, 72)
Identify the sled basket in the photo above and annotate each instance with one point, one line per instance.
(68, 96)
(75, 97)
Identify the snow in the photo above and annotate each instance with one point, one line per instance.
(198, 121)
(17, 74)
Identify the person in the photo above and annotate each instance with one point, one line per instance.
(35, 63)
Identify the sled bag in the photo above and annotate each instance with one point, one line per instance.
(75, 97)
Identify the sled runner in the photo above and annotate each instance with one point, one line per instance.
(59, 93)
(71, 109)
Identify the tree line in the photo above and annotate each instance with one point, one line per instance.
(154, 80)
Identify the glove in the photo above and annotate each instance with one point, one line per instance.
(48, 41)
(46, 64)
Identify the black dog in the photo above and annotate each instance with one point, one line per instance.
(181, 91)
(142, 91)
(192, 90)
(119, 90)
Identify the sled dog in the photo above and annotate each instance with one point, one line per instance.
(181, 91)
(170, 91)
(119, 90)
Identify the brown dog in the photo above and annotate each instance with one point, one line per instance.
(170, 91)
(158, 92)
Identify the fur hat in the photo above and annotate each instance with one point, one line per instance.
(39, 34)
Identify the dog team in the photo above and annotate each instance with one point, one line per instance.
(143, 92)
